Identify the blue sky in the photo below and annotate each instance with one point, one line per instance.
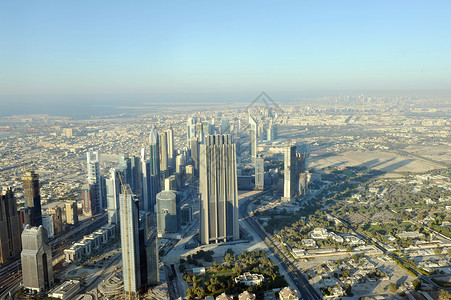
(184, 49)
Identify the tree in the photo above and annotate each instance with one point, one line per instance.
(444, 295)
(416, 284)
(393, 287)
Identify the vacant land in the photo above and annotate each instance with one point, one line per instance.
(384, 161)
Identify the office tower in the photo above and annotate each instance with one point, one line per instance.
(170, 147)
(291, 173)
(189, 171)
(272, 132)
(145, 181)
(10, 226)
(125, 164)
(47, 223)
(199, 131)
(129, 218)
(168, 212)
(170, 183)
(136, 175)
(153, 169)
(225, 126)
(36, 257)
(163, 150)
(113, 190)
(57, 214)
(195, 154)
(191, 131)
(32, 197)
(154, 156)
(95, 178)
(253, 130)
(207, 128)
(218, 190)
(90, 204)
(71, 213)
(259, 172)
(148, 250)
(186, 214)
(180, 163)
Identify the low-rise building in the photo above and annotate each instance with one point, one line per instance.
(67, 290)
(288, 294)
(249, 279)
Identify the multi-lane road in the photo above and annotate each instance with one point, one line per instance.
(302, 284)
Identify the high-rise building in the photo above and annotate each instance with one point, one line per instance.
(168, 212)
(125, 164)
(225, 126)
(36, 257)
(32, 195)
(163, 142)
(180, 163)
(152, 170)
(10, 226)
(146, 183)
(136, 175)
(90, 204)
(71, 213)
(129, 221)
(218, 190)
(170, 183)
(186, 214)
(113, 190)
(259, 172)
(95, 178)
(191, 130)
(272, 132)
(195, 154)
(291, 173)
(47, 223)
(253, 131)
(57, 214)
(148, 250)
(170, 147)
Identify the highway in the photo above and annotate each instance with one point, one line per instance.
(302, 284)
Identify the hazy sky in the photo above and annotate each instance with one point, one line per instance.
(139, 48)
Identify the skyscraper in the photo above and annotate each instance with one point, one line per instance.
(163, 142)
(32, 197)
(225, 126)
(259, 173)
(153, 169)
(125, 164)
(291, 173)
(218, 190)
(171, 152)
(129, 217)
(36, 256)
(10, 226)
(95, 178)
(253, 131)
(168, 212)
(57, 214)
(195, 154)
(113, 190)
(148, 249)
(71, 213)
(91, 206)
(191, 130)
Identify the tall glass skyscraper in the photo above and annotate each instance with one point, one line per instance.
(32, 195)
(218, 190)
(9, 226)
(95, 178)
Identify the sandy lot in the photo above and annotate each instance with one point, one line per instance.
(384, 161)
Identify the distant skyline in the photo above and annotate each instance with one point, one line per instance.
(177, 51)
